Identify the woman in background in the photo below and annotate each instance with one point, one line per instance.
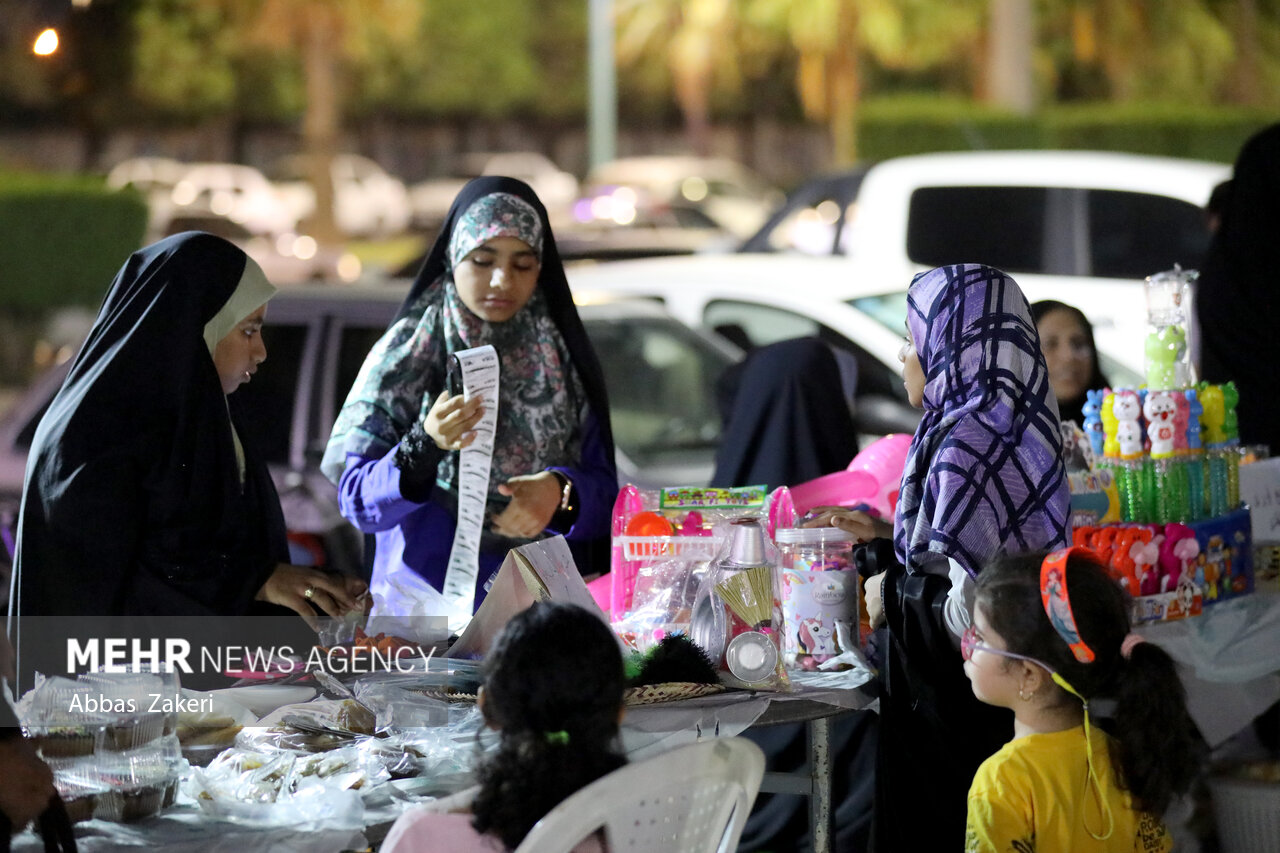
(1236, 305)
(1066, 338)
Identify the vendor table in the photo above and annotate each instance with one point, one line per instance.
(1228, 659)
(647, 729)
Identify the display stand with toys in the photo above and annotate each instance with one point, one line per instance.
(1160, 501)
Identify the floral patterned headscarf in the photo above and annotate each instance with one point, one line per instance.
(495, 215)
(541, 398)
(984, 475)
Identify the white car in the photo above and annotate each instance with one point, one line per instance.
(1081, 227)
(240, 193)
(729, 193)
(759, 299)
(154, 178)
(367, 200)
(556, 188)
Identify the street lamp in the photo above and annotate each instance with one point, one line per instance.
(46, 43)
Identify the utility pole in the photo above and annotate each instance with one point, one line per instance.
(602, 113)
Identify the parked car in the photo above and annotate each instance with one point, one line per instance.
(240, 193)
(729, 193)
(659, 374)
(618, 223)
(367, 200)
(1081, 227)
(154, 178)
(556, 188)
(287, 258)
(759, 299)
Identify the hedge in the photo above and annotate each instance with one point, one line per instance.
(914, 125)
(63, 239)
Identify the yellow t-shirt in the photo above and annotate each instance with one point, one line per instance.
(1035, 795)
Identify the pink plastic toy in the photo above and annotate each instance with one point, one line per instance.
(872, 478)
(1145, 557)
(1177, 552)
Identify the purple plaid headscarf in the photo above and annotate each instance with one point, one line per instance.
(984, 475)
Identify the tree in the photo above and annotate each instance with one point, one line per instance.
(194, 56)
(325, 34)
(1163, 50)
(835, 37)
(698, 39)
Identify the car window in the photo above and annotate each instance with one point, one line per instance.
(268, 401)
(661, 380)
(759, 325)
(357, 342)
(810, 230)
(999, 226)
(691, 217)
(1133, 235)
(887, 309)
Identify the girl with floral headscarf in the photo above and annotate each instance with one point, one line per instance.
(984, 477)
(493, 276)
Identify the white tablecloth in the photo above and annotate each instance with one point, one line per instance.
(1229, 661)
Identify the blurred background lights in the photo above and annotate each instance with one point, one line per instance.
(349, 267)
(46, 43)
(305, 247)
(694, 189)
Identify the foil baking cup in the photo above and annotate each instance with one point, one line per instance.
(751, 656)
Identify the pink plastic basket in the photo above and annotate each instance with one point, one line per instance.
(631, 553)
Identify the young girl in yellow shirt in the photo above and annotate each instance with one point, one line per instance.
(1062, 783)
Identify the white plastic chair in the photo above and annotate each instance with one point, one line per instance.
(691, 799)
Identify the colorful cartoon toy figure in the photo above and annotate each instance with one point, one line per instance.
(1145, 556)
(1194, 411)
(1182, 413)
(1211, 418)
(1165, 351)
(1178, 552)
(1230, 423)
(1092, 410)
(1161, 411)
(1217, 569)
(1127, 410)
(1110, 445)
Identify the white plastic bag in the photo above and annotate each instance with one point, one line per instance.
(405, 605)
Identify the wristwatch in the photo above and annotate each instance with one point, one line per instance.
(566, 492)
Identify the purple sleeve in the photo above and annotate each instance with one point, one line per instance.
(596, 480)
(369, 493)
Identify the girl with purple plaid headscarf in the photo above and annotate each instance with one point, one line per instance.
(984, 477)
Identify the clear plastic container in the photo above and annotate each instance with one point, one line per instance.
(150, 689)
(137, 783)
(1168, 365)
(819, 595)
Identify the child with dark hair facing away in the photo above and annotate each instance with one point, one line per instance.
(553, 690)
(1050, 639)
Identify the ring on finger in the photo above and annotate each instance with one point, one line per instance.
(310, 593)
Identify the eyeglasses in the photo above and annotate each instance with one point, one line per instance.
(969, 644)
